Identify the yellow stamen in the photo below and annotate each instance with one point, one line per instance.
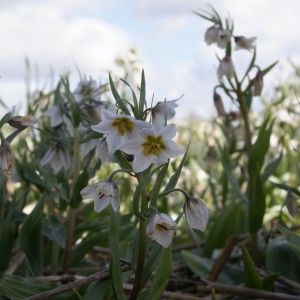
(153, 145)
(123, 125)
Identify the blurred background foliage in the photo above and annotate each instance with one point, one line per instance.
(34, 202)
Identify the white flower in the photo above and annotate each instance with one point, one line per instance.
(120, 128)
(196, 213)
(58, 158)
(104, 154)
(244, 43)
(163, 111)
(7, 158)
(223, 38)
(226, 68)
(211, 35)
(86, 89)
(152, 146)
(104, 193)
(55, 114)
(161, 228)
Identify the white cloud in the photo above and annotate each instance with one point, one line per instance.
(50, 38)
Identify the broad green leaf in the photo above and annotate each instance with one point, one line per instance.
(6, 242)
(114, 264)
(162, 274)
(55, 230)
(140, 189)
(280, 258)
(226, 162)
(17, 288)
(260, 148)
(227, 222)
(120, 103)
(271, 168)
(30, 238)
(82, 182)
(201, 266)
(151, 263)
(157, 186)
(251, 276)
(98, 291)
(292, 238)
(257, 205)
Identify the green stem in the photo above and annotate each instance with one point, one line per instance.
(142, 247)
(72, 211)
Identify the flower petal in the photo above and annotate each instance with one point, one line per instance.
(196, 213)
(141, 162)
(100, 204)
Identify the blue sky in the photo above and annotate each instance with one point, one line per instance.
(57, 35)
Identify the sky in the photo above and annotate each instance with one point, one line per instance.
(61, 36)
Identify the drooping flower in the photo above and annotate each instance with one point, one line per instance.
(161, 228)
(226, 68)
(211, 35)
(163, 111)
(57, 157)
(104, 193)
(119, 128)
(244, 43)
(223, 38)
(258, 83)
(196, 213)
(55, 115)
(86, 89)
(152, 146)
(7, 158)
(22, 121)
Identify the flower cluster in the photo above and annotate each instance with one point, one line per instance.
(146, 139)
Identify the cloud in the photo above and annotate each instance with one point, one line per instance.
(53, 39)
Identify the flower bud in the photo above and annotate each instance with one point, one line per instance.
(7, 159)
(258, 83)
(219, 105)
(22, 121)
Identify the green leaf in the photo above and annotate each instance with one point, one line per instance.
(201, 266)
(226, 162)
(252, 279)
(98, 291)
(280, 258)
(140, 189)
(122, 161)
(142, 102)
(30, 238)
(174, 178)
(227, 222)
(82, 181)
(5, 118)
(292, 238)
(157, 186)
(114, 264)
(151, 263)
(55, 230)
(260, 148)
(287, 188)
(162, 274)
(120, 103)
(271, 168)
(135, 101)
(257, 206)
(6, 242)
(268, 69)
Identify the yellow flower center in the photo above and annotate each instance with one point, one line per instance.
(153, 145)
(123, 125)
